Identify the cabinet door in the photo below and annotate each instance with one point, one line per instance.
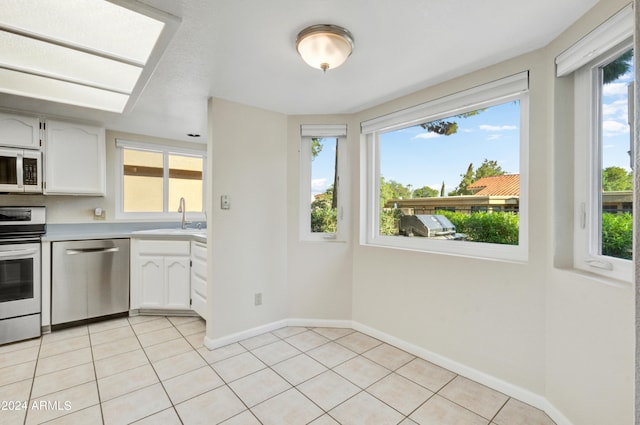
(19, 131)
(177, 282)
(151, 282)
(75, 159)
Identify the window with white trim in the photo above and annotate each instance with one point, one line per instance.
(322, 159)
(152, 179)
(450, 176)
(602, 66)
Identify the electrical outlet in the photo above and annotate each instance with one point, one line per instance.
(257, 298)
(99, 214)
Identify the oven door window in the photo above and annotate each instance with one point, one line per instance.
(16, 279)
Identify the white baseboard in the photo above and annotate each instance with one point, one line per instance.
(212, 344)
(320, 323)
(483, 378)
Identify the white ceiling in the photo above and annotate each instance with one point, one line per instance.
(244, 51)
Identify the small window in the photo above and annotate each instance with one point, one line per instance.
(322, 156)
(604, 181)
(602, 68)
(153, 178)
(450, 176)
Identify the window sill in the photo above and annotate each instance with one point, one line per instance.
(471, 250)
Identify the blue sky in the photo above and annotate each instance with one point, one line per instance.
(417, 157)
(420, 158)
(615, 127)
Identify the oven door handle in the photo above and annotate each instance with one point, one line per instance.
(18, 253)
(91, 250)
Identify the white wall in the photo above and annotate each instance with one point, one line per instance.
(247, 245)
(319, 273)
(549, 331)
(589, 321)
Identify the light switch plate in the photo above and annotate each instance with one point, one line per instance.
(225, 202)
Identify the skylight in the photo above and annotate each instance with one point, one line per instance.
(89, 53)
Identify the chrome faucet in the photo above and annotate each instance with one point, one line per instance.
(183, 209)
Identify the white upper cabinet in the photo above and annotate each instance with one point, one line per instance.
(19, 131)
(74, 159)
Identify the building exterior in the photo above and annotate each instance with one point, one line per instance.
(495, 194)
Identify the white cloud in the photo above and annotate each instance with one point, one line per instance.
(319, 186)
(494, 137)
(617, 109)
(611, 127)
(498, 127)
(426, 135)
(626, 77)
(614, 89)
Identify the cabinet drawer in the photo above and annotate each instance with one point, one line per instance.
(199, 251)
(199, 286)
(156, 247)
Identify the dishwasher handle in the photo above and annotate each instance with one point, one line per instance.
(92, 250)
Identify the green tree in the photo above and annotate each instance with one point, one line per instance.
(442, 189)
(616, 179)
(467, 179)
(425, 192)
(392, 190)
(488, 169)
(447, 128)
(618, 67)
(316, 147)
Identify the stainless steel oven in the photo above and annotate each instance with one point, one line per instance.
(20, 273)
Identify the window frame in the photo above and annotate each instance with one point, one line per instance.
(581, 61)
(307, 133)
(587, 169)
(165, 150)
(515, 87)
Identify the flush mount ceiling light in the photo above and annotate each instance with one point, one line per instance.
(324, 46)
(91, 53)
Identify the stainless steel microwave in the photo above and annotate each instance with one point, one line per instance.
(20, 170)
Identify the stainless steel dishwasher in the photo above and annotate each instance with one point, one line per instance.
(89, 279)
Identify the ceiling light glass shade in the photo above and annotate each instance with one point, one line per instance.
(324, 46)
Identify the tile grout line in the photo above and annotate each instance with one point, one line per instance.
(156, 372)
(33, 380)
(95, 373)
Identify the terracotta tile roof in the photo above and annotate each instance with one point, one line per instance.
(506, 185)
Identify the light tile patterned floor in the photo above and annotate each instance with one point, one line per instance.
(155, 370)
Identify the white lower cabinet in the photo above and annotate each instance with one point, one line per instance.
(160, 274)
(199, 278)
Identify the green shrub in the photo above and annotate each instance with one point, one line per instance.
(617, 235)
(389, 219)
(494, 227)
(324, 219)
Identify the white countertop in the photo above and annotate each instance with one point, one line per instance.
(85, 231)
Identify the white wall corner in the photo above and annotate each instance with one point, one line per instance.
(483, 378)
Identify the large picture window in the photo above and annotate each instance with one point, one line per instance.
(153, 178)
(450, 176)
